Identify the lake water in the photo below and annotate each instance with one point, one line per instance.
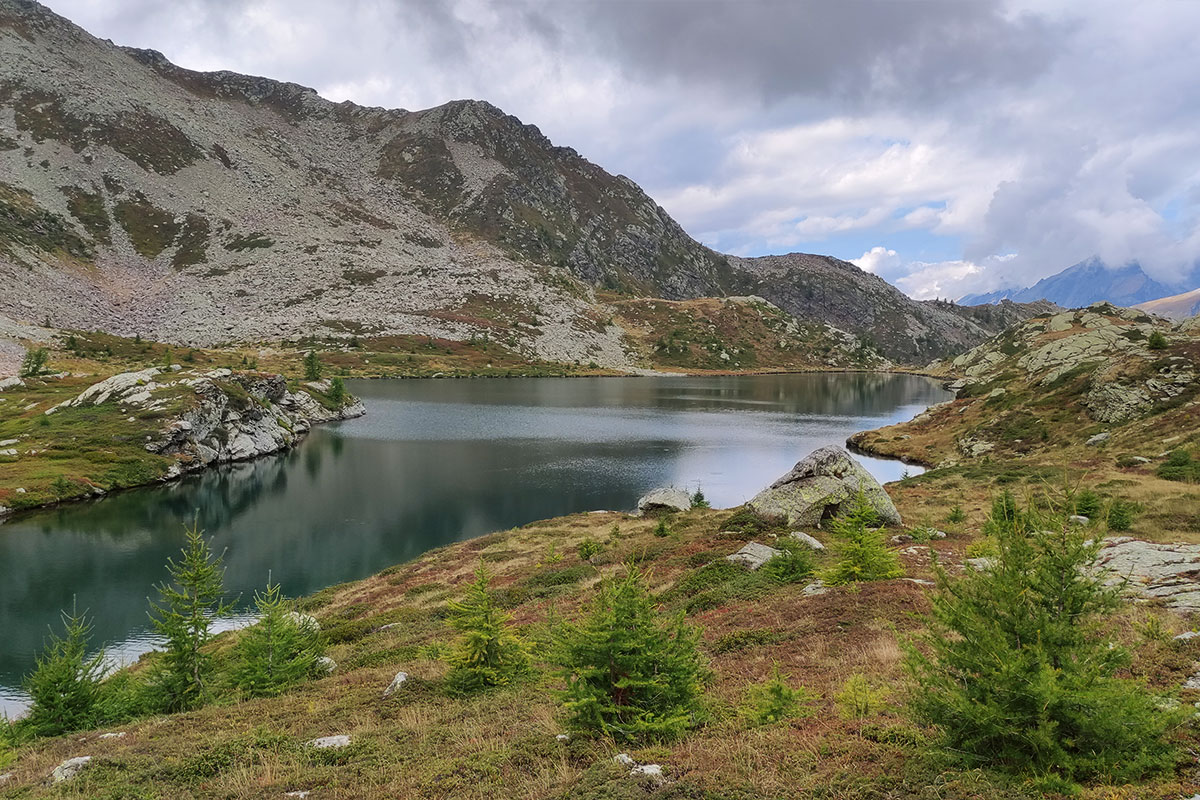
(433, 462)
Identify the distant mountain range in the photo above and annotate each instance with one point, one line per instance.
(1087, 282)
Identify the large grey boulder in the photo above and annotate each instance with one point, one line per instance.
(1166, 573)
(670, 499)
(819, 486)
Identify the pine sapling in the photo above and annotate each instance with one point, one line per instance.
(277, 652)
(861, 548)
(183, 617)
(632, 673)
(65, 683)
(489, 653)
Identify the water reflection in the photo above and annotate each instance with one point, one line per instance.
(433, 462)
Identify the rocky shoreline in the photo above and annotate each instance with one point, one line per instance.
(207, 418)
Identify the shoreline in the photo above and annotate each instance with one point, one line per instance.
(8, 514)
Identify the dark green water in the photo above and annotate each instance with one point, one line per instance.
(432, 462)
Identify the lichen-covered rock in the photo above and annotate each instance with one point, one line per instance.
(809, 541)
(1169, 573)
(396, 684)
(69, 768)
(819, 486)
(753, 555)
(667, 499)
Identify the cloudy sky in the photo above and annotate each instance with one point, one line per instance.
(949, 146)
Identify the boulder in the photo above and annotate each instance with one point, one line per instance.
(1099, 438)
(819, 486)
(69, 768)
(326, 664)
(753, 555)
(330, 742)
(1166, 573)
(398, 681)
(306, 621)
(667, 499)
(808, 541)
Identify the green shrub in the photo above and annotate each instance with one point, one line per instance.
(1157, 341)
(337, 391)
(65, 683)
(1121, 514)
(183, 618)
(699, 500)
(734, 641)
(588, 549)
(1180, 466)
(859, 698)
(861, 550)
(488, 653)
(632, 673)
(1087, 503)
(312, 366)
(749, 524)
(662, 529)
(1016, 672)
(34, 362)
(793, 564)
(558, 577)
(774, 700)
(956, 515)
(277, 652)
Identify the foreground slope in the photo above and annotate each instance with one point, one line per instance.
(421, 742)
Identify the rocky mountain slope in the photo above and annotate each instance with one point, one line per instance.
(1063, 384)
(1178, 306)
(137, 197)
(904, 329)
(1088, 282)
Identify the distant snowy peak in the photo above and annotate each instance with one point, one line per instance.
(1088, 282)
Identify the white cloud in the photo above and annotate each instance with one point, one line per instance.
(876, 260)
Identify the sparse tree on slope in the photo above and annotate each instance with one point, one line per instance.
(277, 652)
(183, 617)
(1016, 671)
(65, 683)
(631, 672)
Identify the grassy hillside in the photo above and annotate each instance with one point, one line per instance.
(1032, 399)
(423, 743)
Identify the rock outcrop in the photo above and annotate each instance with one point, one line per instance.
(217, 416)
(1168, 573)
(819, 486)
(666, 499)
(69, 768)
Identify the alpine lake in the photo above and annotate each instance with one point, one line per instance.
(433, 462)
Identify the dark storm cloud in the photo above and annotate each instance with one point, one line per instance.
(856, 50)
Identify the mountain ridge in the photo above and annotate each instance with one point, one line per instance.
(1087, 282)
(202, 208)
